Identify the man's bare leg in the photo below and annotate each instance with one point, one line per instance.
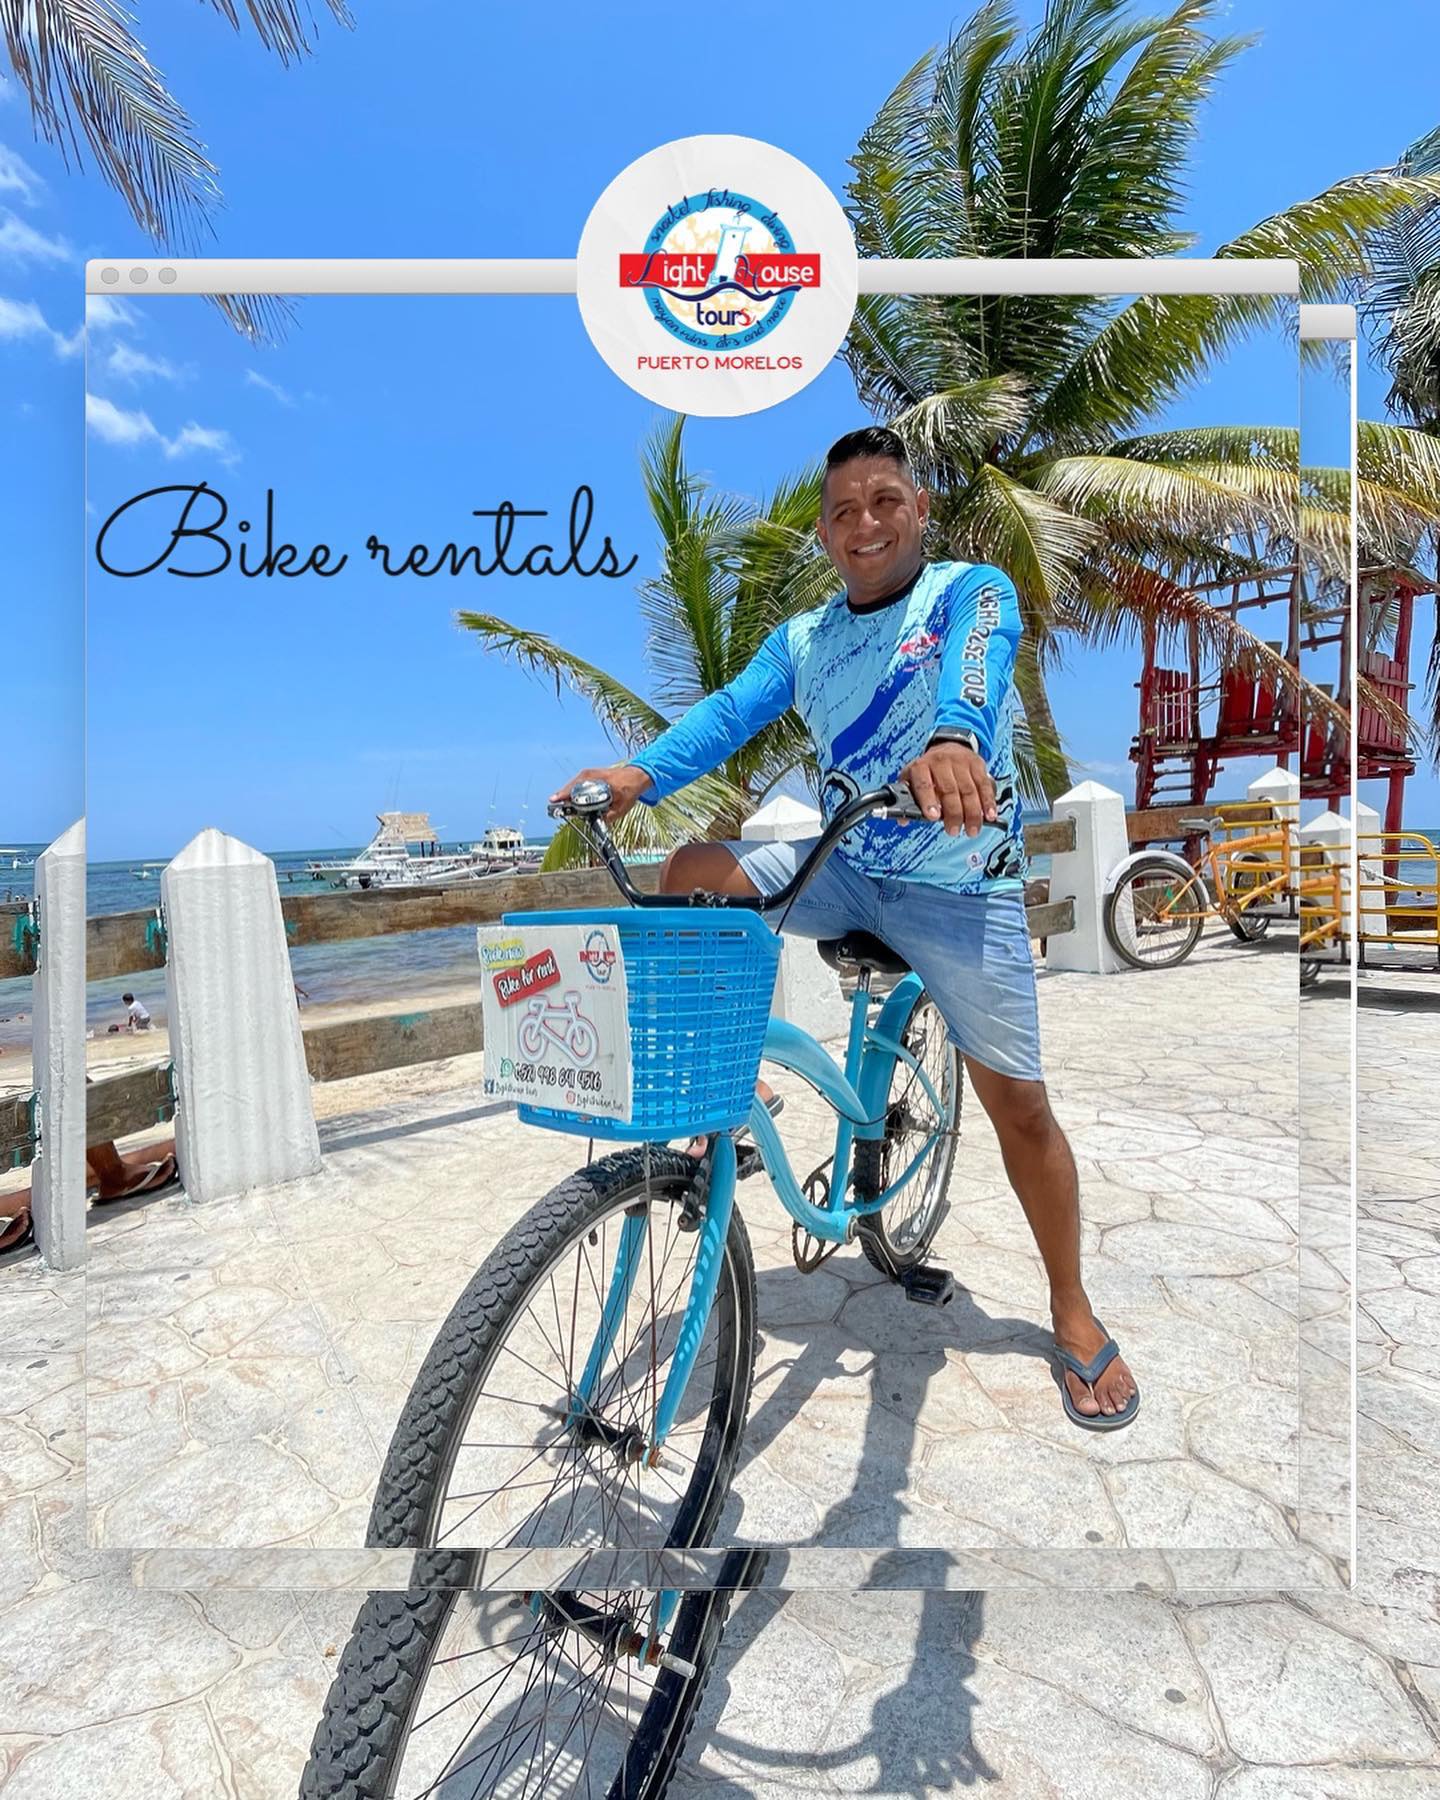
(712, 867)
(1042, 1173)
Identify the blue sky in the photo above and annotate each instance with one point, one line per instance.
(326, 701)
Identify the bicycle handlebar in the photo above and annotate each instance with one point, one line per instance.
(589, 801)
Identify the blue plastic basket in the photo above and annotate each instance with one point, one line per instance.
(699, 981)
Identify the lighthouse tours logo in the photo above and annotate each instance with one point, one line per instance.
(719, 271)
(717, 275)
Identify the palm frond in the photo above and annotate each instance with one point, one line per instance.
(949, 431)
(1000, 520)
(631, 720)
(89, 81)
(686, 817)
(280, 24)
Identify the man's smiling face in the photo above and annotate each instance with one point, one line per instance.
(871, 520)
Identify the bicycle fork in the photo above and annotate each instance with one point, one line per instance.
(704, 1283)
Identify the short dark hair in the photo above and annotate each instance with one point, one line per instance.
(127, 998)
(869, 440)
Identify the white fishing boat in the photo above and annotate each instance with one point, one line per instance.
(405, 852)
(505, 849)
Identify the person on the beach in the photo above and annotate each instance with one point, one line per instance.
(908, 672)
(137, 1015)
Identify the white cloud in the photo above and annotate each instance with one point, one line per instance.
(113, 425)
(17, 177)
(21, 318)
(256, 379)
(203, 437)
(25, 244)
(134, 365)
(104, 314)
(24, 319)
(125, 430)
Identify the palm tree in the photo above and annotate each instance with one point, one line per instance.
(1024, 414)
(93, 89)
(1401, 300)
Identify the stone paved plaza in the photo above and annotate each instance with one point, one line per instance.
(247, 1360)
(1029, 1694)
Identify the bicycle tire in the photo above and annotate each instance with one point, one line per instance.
(1248, 927)
(875, 1165)
(1153, 868)
(1309, 972)
(359, 1745)
(405, 1512)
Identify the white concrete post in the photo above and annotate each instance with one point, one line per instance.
(1334, 833)
(1372, 869)
(244, 1118)
(1281, 787)
(1101, 841)
(807, 991)
(57, 1185)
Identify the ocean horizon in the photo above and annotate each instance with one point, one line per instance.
(355, 970)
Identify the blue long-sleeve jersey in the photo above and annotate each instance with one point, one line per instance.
(872, 686)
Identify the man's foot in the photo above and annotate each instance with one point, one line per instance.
(1080, 1334)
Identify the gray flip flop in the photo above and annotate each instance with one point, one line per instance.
(1090, 1372)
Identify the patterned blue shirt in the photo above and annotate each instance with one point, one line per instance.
(871, 687)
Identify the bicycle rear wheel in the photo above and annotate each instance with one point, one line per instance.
(499, 1444)
(1154, 916)
(899, 1236)
(454, 1695)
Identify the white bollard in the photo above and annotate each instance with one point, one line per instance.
(1281, 787)
(1371, 848)
(807, 991)
(1334, 834)
(57, 1185)
(243, 1113)
(1101, 841)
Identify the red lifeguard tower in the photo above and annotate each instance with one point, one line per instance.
(1383, 750)
(1190, 723)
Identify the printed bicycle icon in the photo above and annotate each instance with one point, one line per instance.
(589, 1388)
(564, 1026)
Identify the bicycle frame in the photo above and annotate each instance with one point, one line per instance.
(857, 1093)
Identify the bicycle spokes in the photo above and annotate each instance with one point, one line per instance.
(528, 1696)
(559, 1444)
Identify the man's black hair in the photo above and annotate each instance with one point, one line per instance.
(869, 440)
(127, 998)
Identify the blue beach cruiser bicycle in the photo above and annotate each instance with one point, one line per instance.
(589, 1388)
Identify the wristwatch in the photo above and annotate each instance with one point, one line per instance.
(949, 734)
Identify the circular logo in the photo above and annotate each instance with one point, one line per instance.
(717, 276)
(720, 271)
(598, 957)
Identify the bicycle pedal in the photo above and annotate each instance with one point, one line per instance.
(928, 1285)
(748, 1161)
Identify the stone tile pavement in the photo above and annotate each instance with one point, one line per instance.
(247, 1360)
(1034, 1695)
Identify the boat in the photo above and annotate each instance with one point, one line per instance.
(506, 851)
(405, 852)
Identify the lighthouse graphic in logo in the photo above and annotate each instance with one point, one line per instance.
(719, 270)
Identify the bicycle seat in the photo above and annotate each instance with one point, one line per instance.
(862, 950)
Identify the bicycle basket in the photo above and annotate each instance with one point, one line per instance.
(699, 982)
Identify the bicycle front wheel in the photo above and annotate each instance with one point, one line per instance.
(454, 1695)
(531, 1420)
(1154, 916)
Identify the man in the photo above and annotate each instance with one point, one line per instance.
(909, 671)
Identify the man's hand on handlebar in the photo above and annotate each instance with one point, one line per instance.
(626, 784)
(951, 783)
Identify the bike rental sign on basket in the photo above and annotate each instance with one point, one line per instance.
(556, 1018)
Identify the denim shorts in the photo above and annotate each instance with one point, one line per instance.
(972, 951)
